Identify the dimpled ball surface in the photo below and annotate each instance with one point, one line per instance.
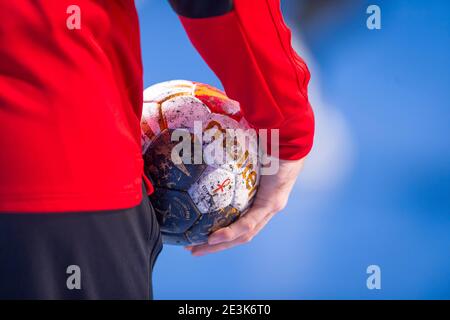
(192, 199)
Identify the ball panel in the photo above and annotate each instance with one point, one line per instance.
(238, 143)
(183, 111)
(175, 211)
(202, 89)
(217, 101)
(163, 91)
(163, 171)
(215, 137)
(214, 190)
(208, 223)
(225, 121)
(244, 193)
(247, 181)
(151, 120)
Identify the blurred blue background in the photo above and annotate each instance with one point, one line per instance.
(376, 188)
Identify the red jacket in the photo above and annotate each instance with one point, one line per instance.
(70, 100)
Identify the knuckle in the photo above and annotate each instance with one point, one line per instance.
(275, 208)
(247, 238)
(248, 226)
(279, 205)
(228, 235)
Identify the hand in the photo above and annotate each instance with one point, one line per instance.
(271, 198)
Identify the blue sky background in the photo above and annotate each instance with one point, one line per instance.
(376, 189)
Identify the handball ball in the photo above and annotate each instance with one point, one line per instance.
(210, 183)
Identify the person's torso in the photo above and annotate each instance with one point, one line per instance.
(70, 103)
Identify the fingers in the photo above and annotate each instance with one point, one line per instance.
(263, 223)
(241, 227)
(203, 249)
(271, 198)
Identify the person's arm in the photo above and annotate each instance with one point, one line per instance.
(247, 44)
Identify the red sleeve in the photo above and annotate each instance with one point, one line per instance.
(250, 51)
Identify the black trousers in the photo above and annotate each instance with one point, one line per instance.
(88, 255)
